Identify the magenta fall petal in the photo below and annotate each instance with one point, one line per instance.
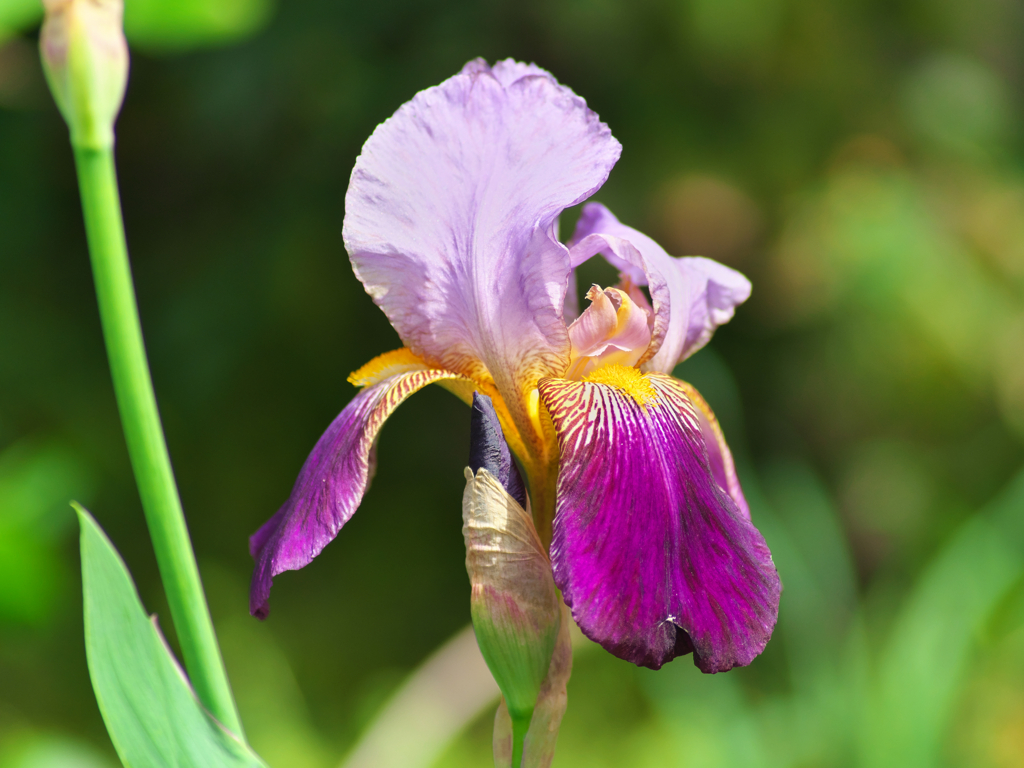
(651, 555)
(719, 456)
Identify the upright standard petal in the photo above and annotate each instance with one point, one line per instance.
(450, 220)
(692, 295)
(336, 474)
(652, 556)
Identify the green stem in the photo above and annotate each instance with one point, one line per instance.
(520, 726)
(143, 432)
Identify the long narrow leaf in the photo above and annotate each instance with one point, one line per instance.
(150, 710)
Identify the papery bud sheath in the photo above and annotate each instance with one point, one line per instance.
(515, 605)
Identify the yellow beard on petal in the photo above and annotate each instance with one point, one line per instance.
(531, 436)
(386, 365)
(627, 380)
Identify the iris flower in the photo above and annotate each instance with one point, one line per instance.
(451, 223)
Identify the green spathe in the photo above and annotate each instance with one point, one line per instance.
(149, 708)
(538, 749)
(514, 603)
(516, 649)
(85, 57)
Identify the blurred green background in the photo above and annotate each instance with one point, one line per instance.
(860, 160)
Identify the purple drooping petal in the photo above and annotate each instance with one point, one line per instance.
(719, 455)
(651, 555)
(330, 485)
(692, 295)
(451, 213)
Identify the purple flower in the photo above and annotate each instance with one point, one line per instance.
(451, 220)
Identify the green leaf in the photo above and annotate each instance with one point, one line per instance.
(18, 15)
(928, 654)
(175, 25)
(150, 710)
(162, 25)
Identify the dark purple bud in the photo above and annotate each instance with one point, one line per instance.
(488, 449)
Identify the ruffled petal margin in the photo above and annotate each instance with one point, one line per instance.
(331, 483)
(451, 214)
(692, 295)
(652, 556)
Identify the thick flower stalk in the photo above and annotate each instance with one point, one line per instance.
(637, 513)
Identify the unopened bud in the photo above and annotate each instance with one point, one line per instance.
(85, 57)
(514, 602)
(539, 745)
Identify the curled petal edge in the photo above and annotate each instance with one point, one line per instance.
(723, 468)
(692, 295)
(335, 476)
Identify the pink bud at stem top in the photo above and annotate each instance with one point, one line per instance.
(85, 57)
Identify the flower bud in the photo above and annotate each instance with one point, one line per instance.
(85, 58)
(539, 745)
(515, 606)
(514, 602)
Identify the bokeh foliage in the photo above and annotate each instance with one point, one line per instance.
(860, 160)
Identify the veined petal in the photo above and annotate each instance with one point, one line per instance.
(387, 366)
(652, 556)
(692, 295)
(334, 477)
(719, 456)
(450, 220)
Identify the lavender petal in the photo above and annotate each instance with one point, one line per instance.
(692, 295)
(451, 214)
